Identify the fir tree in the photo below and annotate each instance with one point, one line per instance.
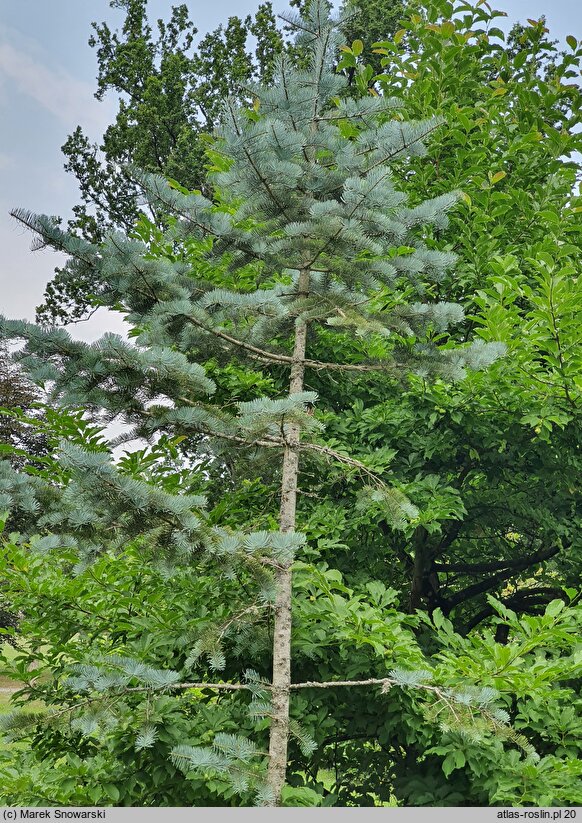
(307, 200)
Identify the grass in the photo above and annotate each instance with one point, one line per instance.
(9, 653)
(6, 705)
(5, 702)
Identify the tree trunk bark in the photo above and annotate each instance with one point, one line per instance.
(282, 625)
(418, 585)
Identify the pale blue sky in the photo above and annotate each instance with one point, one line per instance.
(47, 82)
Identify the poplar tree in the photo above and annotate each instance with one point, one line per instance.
(308, 203)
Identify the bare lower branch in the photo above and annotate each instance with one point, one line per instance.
(330, 684)
(265, 356)
(229, 687)
(341, 458)
(269, 441)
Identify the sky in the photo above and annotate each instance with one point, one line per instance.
(47, 83)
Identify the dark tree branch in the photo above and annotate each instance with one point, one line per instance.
(512, 564)
(525, 600)
(486, 585)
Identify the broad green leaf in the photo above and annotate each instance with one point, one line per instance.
(554, 608)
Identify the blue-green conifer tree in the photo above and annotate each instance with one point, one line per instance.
(308, 199)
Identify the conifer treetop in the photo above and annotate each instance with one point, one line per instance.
(306, 184)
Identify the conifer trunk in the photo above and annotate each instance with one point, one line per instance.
(282, 629)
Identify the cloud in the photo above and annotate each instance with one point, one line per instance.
(70, 100)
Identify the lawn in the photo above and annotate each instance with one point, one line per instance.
(6, 682)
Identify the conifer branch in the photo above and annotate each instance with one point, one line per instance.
(262, 354)
(33, 223)
(268, 441)
(285, 359)
(341, 458)
(338, 233)
(330, 684)
(357, 367)
(294, 23)
(229, 687)
(405, 145)
(251, 161)
(385, 682)
(285, 90)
